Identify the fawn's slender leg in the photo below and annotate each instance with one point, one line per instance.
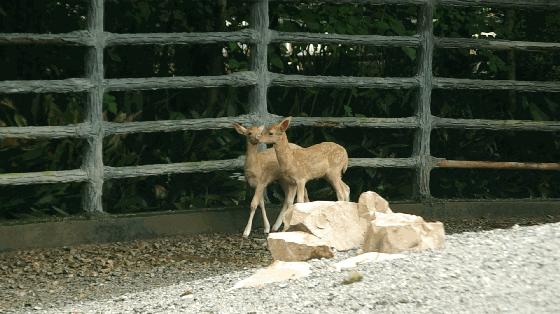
(278, 222)
(254, 203)
(259, 190)
(337, 186)
(306, 196)
(341, 192)
(266, 224)
(300, 191)
(346, 190)
(249, 223)
(289, 196)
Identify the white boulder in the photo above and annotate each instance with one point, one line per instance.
(337, 223)
(370, 203)
(397, 232)
(297, 246)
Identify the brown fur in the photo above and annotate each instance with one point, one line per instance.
(261, 169)
(326, 160)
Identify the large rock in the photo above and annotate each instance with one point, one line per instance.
(392, 233)
(276, 272)
(370, 203)
(337, 223)
(297, 246)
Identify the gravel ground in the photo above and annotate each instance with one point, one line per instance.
(45, 278)
(502, 270)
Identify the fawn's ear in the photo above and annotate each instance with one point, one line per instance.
(260, 129)
(239, 128)
(284, 124)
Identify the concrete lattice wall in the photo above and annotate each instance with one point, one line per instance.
(94, 129)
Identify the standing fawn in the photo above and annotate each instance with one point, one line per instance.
(261, 169)
(325, 160)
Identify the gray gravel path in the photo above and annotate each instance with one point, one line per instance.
(513, 270)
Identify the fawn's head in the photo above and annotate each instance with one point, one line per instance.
(252, 133)
(273, 134)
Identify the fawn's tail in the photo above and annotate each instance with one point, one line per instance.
(345, 166)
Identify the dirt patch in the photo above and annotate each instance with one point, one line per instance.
(480, 224)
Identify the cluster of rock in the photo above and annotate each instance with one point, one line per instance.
(314, 229)
(318, 229)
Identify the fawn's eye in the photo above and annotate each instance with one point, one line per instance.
(270, 133)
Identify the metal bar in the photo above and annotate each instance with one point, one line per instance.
(421, 148)
(79, 38)
(93, 161)
(494, 44)
(342, 81)
(33, 132)
(522, 4)
(182, 167)
(245, 78)
(383, 162)
(522, 86)
(469, 164)
(370, 40)
(43, 177)
(244, 36)
(498, 125)
(72, 85)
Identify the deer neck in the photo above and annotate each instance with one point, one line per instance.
(251, 155)
(284, 153)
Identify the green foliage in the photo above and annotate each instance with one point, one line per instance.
(355, 19)
(36, 16)
(224, 189)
